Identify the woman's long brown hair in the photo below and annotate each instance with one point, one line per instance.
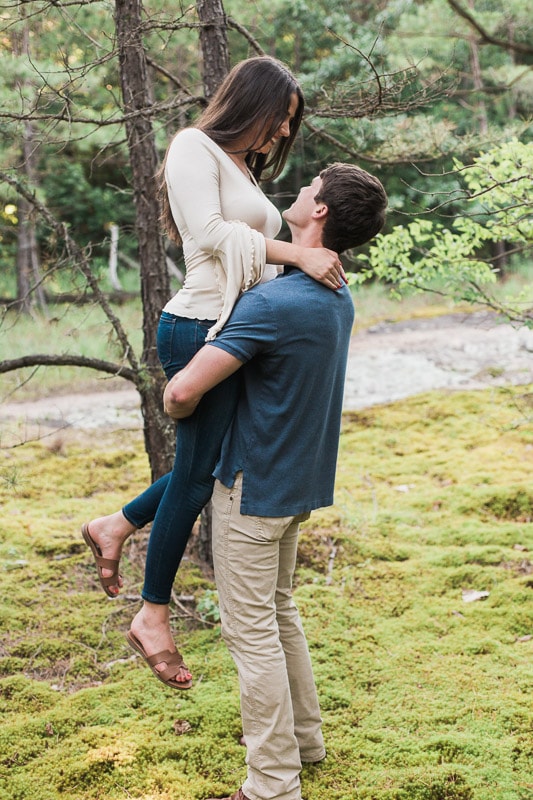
(254, 96)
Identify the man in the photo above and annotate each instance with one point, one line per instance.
(277, 464)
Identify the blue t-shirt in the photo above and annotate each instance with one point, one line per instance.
(293, 334)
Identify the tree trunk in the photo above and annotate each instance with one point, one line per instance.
(29, 289)
(155, 289)
(500, 259)
(213, 43)
(112, 263)
(477, 79)
(215, 58)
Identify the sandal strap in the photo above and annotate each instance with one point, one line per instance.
(173, 661)
(110, 580)
(107, 563)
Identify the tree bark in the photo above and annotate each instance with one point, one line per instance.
(477, 80)
(155, 288)
(215, 58)
(30, 292)
(213, 43)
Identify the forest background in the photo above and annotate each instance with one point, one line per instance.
(421, 699)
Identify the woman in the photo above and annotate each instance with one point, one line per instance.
(213, 205)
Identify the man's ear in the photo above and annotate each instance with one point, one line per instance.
(320, 211)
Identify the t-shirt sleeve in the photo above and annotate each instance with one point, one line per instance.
(250, 330)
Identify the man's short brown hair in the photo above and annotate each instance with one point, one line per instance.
(356, 203)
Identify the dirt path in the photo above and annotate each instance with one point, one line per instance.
(458, 351)
(387, 362)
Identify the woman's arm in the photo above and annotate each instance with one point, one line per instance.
(193, 182)
(320, 263)
(193, 176)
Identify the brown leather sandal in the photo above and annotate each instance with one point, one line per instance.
(102, 563)
(173, 660)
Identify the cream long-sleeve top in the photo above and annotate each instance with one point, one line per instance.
(223, 218)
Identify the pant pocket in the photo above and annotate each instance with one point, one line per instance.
(165, 333)
(269, 529)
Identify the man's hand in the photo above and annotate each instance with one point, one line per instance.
(210, 366)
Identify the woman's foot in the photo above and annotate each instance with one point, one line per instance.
(150, 634)
(106, 536)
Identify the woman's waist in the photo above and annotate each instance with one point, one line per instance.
(196, 301)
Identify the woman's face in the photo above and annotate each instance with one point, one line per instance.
(284, 129)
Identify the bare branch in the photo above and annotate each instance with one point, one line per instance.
(232, 23)
(173, 78)
(382, 92)
(72, 21)
(521, 318)
(147, 112)
(340, 146)
(367, 59)
(37, 360)
(79, 258)
(487, 38)
(514, 316)
(390, 97)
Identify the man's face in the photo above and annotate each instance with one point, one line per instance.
(301, 211)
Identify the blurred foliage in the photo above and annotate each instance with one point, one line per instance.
(408, 90)
(497, 193)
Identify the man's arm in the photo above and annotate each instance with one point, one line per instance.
(210, 366)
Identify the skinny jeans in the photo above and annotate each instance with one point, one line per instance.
(174, 501)
(255, 559)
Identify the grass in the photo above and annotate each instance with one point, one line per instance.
(71, 329)
(424, 696)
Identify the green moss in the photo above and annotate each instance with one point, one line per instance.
(422, 694)
(516, 505)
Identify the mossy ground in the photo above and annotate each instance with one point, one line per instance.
(424, 696)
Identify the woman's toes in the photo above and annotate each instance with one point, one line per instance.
(183, 675)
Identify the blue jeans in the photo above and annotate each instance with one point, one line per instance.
(175, 500)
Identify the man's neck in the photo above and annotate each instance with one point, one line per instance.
(310, 236)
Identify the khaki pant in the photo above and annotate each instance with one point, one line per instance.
(254, 560)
